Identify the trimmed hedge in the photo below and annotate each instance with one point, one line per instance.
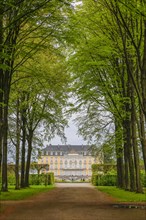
(104, 180)
(143, 179)
(111, 180)
(42, 179)
(51, 178)
(34, 179)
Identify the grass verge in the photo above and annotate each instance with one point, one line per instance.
(21, 194)
(122, 195)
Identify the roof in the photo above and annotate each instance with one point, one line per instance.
(68, 148)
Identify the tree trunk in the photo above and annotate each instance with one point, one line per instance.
(129, 137)
(1, 85)
(135, 145)
(143, 73)
(126, 167)
(142, 135)
(119, 156)
(29, 139)
(23, 118)
(17, 146)
(1, 116)
(1, 120)
(7, 79)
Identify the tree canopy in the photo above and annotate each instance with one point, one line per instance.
(93, 51)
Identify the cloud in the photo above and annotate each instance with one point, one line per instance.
(72, 136)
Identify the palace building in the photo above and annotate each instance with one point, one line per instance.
(69, 162)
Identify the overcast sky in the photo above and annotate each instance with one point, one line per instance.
(72, 137)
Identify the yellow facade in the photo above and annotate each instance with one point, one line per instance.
(69, 162)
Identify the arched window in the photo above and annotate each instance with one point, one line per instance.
(70, 164)
(65, 163)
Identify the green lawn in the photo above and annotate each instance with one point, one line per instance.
(13, 194)
(122, 195)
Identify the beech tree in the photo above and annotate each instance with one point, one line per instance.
(42, 93)
(105, 66)
(18, 20)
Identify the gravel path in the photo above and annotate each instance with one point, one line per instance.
(70, 202)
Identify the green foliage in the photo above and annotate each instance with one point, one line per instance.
(51, 179)
(108, 49)
(110, 179)
(11, 179)
(104, 180)
(103, 168)
(95, 168)
(42, 179)
(122, 195)
(35, 179)
(143, 179)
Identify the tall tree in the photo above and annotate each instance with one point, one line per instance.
(21, 19)
(105, 62)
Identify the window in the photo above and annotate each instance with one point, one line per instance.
(51, 166)
(65, 163)
(51, 153)
(75, 163)
(70, 164)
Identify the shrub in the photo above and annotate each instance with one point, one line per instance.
(50, 178)
(104, 180)
(42, 179)
(11, 179)
(143, 179)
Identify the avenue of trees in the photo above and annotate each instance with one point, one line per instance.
(108, 65)
(95, 50)
(33, 79)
